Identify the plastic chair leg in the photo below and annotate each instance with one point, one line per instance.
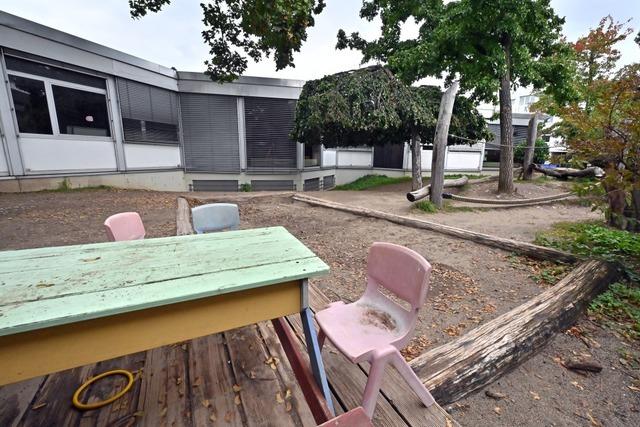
(412, 379)
(376, 372)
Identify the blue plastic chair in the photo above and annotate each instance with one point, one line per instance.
(215, 217)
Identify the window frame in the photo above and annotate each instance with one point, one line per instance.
(53, 115)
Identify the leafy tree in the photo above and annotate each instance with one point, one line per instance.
(603, 125)
(540, 152)
(370, 106)
(240, 29)
(489, 45)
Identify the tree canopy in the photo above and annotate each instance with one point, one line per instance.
(470, 40)
(240, 29)
(370, 106)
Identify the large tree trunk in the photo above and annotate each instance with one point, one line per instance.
(532, 135)
(459, 367)
(440, 143)
(565, 173)
(505, 176)
(416, 161)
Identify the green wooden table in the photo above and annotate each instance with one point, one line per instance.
(68, 306)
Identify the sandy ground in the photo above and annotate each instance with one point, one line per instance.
(471, 284)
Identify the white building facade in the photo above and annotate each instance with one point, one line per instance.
(75, 111)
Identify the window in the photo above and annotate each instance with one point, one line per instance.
(268, 122)
(149, 113)
(30, 103)
(54, 101)
(80, 112)
(311, 155)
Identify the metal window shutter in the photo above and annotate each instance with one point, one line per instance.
(312, 184)
(272, 185)
(210, 132)
(144, 102)
(215, 185)
(268, 122)
(329, 181)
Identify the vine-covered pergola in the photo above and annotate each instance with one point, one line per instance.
(370, 106)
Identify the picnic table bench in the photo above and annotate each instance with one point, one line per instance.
(63, 307)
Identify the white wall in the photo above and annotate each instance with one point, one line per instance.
(358, 158)
(4, 169)
(53, 154)
(147, 156)
(453, 160)
(328, 157)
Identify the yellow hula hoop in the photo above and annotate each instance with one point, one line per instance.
(87, 406)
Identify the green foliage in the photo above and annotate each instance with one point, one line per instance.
(621, 305)
(476, 41)
(550, 275)
(246, 187)
(597, 241)
(540, 152)
(371, 106)
(236, 30)
(371, 181)
(64, 185)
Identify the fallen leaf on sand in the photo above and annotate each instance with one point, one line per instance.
(206, 403)
(632, 388)
(497, 410)
(594, 422)
(236, 400)
(213, 417)
(279, 398)
(236, 388)
(535, 395)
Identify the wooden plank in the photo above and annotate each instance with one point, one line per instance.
(162, 400)
(529, 249)
(183, 218)
(394, 388)
(348, 381)
(16, 399)
(307, 397)
(52, 404)
(122, 411)
(108, 337)
(211, 377)
(263, 397)
(459, 367)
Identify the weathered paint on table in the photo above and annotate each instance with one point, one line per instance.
(67, 306)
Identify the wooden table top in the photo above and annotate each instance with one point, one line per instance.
(45, 287)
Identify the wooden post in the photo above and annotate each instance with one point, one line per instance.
(183, 218)
(440, 143)
(532, 135)
(416, 161)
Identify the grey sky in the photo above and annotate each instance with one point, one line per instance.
(172, 37)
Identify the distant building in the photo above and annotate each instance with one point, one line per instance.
(73, 109)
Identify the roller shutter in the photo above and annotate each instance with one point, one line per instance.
(210, 132)
(268, 122)
(149, 113)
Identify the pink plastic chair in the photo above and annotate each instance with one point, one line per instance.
(375, 328)
(124, 226)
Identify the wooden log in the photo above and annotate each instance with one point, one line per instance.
(529, 249)
(459, 367)
(440, 143)
(423, 192)
(183, 218)
(523, 202)
(416, 161)
(565, 173)
(532, 135)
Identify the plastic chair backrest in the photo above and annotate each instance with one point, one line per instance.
(215, 217)
(124, 226)
(400, 270)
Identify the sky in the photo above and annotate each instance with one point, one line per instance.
(172, 37)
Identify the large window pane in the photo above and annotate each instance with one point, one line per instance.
(80, 112)
(30, 102)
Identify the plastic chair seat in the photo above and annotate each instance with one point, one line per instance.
(360, 328)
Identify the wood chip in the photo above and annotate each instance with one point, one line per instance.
(448, 421)
(593, 421)
(535, 395)
(213, 417)
(577, 385)
(236, 388)
(576, 364)
(39, 405)
(494, 394)
(237, 400)
(497, 410)
(279, 398)
(206, 403)
(632, 388)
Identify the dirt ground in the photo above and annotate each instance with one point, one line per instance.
(470, 285)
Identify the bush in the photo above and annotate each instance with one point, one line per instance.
(540, 152)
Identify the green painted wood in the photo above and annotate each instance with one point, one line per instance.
(46, 287)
